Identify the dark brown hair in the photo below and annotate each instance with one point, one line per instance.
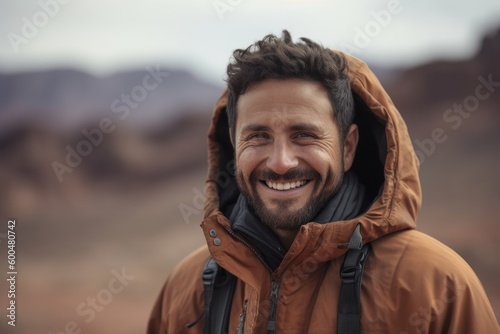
(281, 58)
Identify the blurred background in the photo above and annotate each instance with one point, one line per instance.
(104, 106)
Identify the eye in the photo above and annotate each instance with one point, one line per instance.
(304, 135)
(258, 136)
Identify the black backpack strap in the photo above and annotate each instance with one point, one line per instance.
(351, 272)
(218, 290)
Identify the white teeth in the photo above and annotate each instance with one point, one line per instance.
(285, 185)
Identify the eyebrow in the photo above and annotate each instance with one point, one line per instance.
(255, 128)
(294, 128)
(305, 127)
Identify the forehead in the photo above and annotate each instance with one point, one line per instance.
(284, 101)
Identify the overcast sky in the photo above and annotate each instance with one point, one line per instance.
(103, 36)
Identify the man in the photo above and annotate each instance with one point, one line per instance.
(320, 154)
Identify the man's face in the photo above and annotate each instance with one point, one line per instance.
(289, 158)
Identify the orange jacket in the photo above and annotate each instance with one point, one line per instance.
(412, 283)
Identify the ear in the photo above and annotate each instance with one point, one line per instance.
(350, 144)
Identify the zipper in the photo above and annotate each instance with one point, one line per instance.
(243, 315)
(251, 248)
(273, 298)
(271, 325)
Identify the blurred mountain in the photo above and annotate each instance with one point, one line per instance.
(44, 115)
(123, 160)
(65, 98)
(414, 90)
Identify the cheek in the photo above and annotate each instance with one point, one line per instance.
(247, 161)
(320, 159)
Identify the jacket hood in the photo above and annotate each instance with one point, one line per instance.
(385, 163)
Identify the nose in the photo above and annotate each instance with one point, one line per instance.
(282, 157)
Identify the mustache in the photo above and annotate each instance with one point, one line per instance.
(290, 175)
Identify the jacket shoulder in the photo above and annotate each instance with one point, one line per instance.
(184, 273)
(420, 253)
(181, 298)
(431, 288)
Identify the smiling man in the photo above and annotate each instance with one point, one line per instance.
(325, 189)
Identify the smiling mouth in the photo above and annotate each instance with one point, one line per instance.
(285, 185)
